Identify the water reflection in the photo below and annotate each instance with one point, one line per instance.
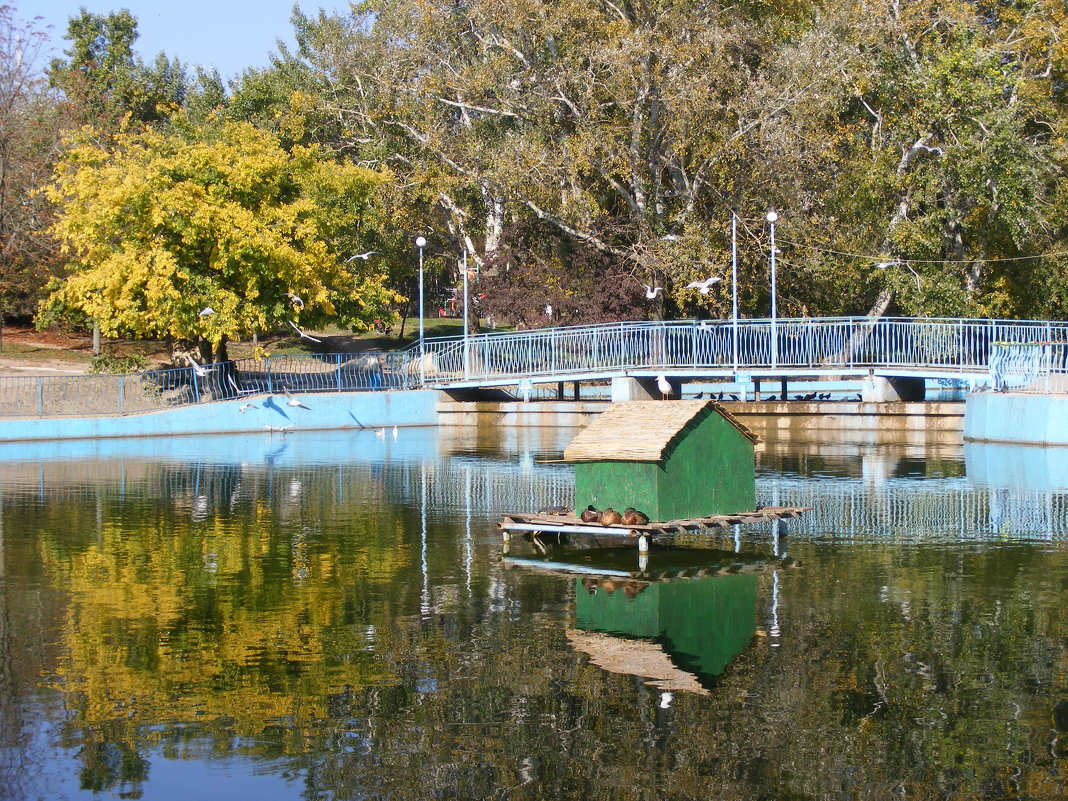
(329, 617)
(674, 617)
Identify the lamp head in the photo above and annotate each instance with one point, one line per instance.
(420, 241)
(772, 216)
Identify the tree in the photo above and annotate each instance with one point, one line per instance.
(163, 225)
(919, 135)
(103, 81)
(29, 137)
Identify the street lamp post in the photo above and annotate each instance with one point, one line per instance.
(734, 289)
(772, 217)
(467, 358)
(420, 242)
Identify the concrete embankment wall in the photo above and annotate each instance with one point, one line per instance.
(765, 418)
(325, 411)
(429, 407)
(1017, 417)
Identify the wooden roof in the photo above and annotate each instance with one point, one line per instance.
(642, 431)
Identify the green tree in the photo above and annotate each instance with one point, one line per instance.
(29, 138)
(162, 225)
(917, 135)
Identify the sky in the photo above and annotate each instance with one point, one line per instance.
(228, 34)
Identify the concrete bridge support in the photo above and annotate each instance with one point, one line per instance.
(877, 389)
(625, 388)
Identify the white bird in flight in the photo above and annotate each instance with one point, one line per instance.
(365, 256)
(199, 369)
(236, 388)
(704, 286)
(291, 401)
(308, 337)
(298, 301)
(206, 311)
(246, 407)
(652, 292)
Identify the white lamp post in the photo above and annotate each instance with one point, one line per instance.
(467, 369)
(772, 217)
(734, 289)
(420, 242)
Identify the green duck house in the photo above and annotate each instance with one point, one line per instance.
(677, 460)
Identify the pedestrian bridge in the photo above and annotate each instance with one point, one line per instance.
(1003, 352)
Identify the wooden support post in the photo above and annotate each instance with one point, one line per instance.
(756, 390)
(782, 385)
(559, 390)
(576, 390)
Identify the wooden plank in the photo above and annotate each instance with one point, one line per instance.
(569, 522)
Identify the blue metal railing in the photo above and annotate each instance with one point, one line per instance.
(824, 344)
(1015, 353)
(82, 395)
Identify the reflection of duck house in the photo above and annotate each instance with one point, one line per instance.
(677, 622)
(679, 634)
(683, 459)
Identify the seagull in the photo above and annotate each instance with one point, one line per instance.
(365, 256)
(206, 311)
(279, 429)
(937, 150)
(664, 386)
(394, 432)
(246, 407)
(291, 401)
(549, 311)
(381, 432)
(302, 334)
(298, 301)
(238, 389)
(704, 286)
(199, 369)
(652, 292)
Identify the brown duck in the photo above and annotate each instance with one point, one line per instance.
(590, 515)
(609, 517)
(632, 517)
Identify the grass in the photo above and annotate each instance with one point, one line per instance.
(25, 352)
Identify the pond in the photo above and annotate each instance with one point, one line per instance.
(335, 616)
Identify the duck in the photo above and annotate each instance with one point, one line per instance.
(590, 515)
(610, 517)
(632, 517)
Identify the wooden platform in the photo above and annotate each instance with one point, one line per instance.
(570, 523)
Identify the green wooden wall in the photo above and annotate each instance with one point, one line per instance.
(709, 471)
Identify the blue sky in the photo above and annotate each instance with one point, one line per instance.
(229, 34)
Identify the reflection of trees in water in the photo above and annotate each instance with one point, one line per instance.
(281, 620)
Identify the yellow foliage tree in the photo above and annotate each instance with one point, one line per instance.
(161, 226)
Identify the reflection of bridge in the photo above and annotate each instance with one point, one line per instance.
(904, 510)
(891, 509)
(929, 348)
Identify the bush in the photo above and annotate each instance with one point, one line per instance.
(113, 363)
